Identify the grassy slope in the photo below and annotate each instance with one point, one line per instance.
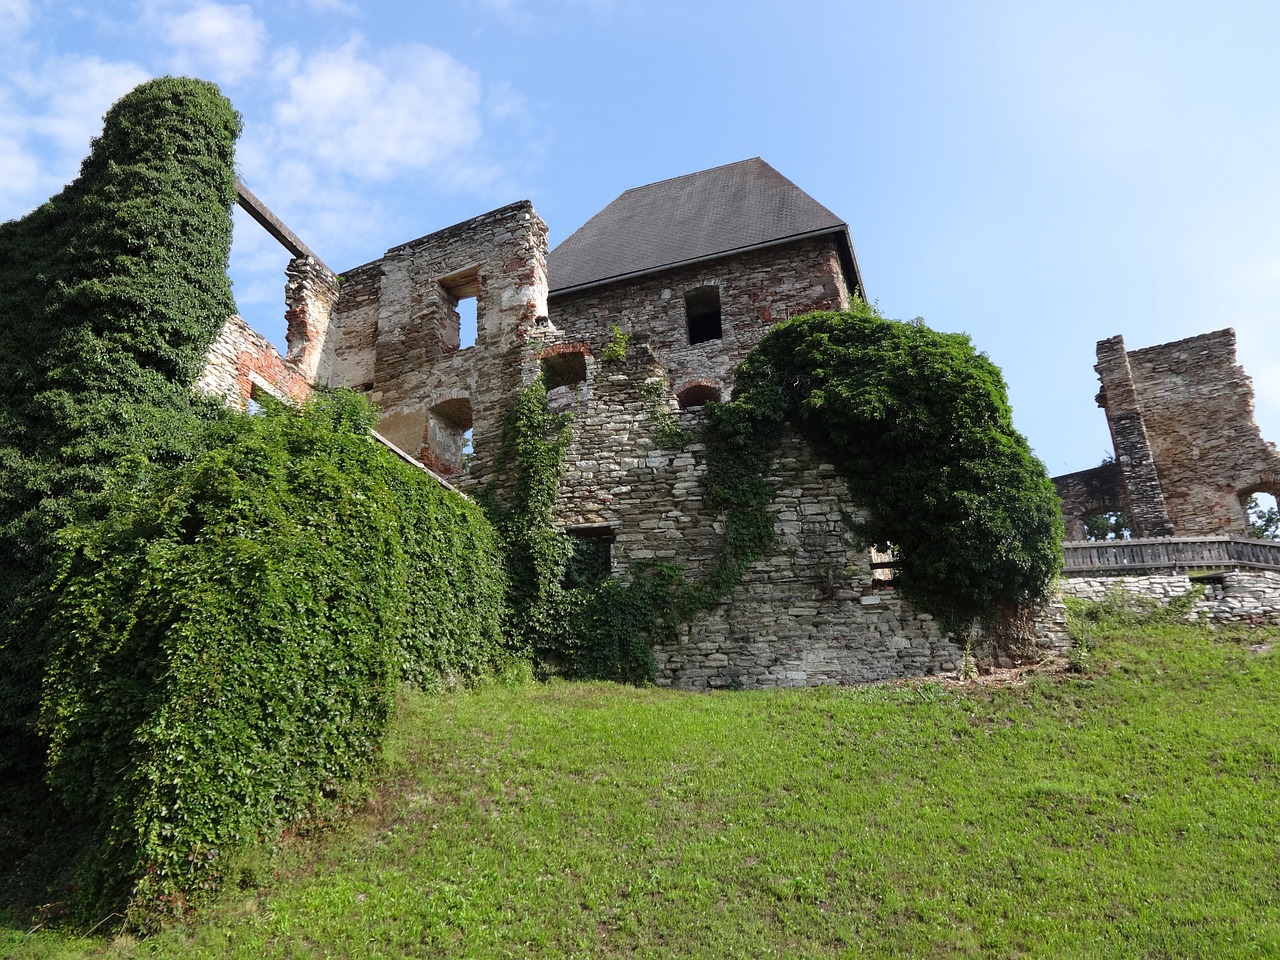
(1132, 815)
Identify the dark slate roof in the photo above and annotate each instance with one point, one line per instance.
(696, 217)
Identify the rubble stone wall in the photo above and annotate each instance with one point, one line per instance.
(1144, 499)
(1089, 492)
(397, 334)
(1197, 404)
(1240, 596)
(757, 289)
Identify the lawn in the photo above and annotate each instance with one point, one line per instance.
(1129, 813)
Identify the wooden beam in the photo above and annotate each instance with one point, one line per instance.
(273, 225)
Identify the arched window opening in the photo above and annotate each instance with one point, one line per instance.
(702, 313)
(1263, 515)
(1107, 525)
(446, 446)
(697, 394)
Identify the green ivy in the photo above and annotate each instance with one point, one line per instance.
(918, 425)
(110, 296)
(573, 625)
(667, 432)
(225, 640)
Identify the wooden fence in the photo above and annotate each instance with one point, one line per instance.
(1173, 553)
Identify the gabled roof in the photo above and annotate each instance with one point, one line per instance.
(729, 209)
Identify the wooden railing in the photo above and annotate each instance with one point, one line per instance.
(1172, 553)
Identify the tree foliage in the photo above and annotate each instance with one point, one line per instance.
(1264, 522)
(918, 424)
(1108, 525)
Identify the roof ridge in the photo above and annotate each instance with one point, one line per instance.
(696, 173)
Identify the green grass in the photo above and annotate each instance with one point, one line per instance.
(1131, 814)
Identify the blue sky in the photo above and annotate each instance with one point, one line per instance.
(1038, 175)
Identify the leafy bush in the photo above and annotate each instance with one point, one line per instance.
(224, 641)
(919, 426)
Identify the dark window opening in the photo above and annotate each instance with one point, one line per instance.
(702, 311)
(564, 369)
(591, 561)
(697, 394)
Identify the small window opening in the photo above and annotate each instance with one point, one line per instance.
(446, 445)
(564, 369)
(702, 312)
(462, 290)
(884, 565)
(591, 560)
(696, 395)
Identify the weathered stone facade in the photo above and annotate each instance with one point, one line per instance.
(1188, 452)
(633, 354)
(397, 334)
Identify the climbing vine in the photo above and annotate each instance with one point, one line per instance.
(572, 624)
(918, 425)
(224, 642)
(110, 295)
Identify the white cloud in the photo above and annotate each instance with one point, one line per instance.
(404, 108)
(220, 42)
(73, 93)
(48, 115)
(334, 6)
(16, 17)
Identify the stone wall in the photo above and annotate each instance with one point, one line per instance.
(1188, 450)
(756, 290)
(1144, 500)
(397, 334)
(1241, 596)
(241, 363)
(1090, 492)
(1197, 403)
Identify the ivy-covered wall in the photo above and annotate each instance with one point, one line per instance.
(110, 294)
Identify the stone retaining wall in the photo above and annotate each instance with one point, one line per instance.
(1241, 596)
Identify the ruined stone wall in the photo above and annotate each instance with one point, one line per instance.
(242, 362)
(756, 290)
(397, 334)
(1144, 499)
(1087, 493)
(1197, 404)
(809, 613)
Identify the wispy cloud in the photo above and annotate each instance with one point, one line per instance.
(376, 114)
(345, 7)
(16, 17)
(219, 41)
